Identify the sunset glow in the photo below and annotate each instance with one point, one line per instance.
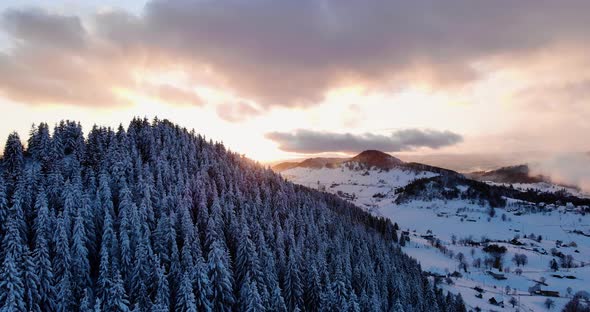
(517, 93)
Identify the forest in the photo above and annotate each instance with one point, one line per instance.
(444, 186)
(158, 218)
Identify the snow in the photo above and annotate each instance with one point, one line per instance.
(543, 187)
(375, 191)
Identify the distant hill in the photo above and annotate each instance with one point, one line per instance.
(510, 174)
(377, 159)
(369, 159)
(411, 181)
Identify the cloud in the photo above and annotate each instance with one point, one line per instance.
(36, 27)
(174, 95)
(569, 169)
(54, 60)
(310, 142)
(238, 111)
(276, 53)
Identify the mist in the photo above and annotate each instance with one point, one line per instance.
(569, 169)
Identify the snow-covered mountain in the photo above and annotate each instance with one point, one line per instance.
(468, 232)
(510, 174)
(156, 218)
(365, 179)
(521, 177)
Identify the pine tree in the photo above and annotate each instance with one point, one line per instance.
(250, 300)
(13, 242)
(80, 264)
(141, 269)
(293, 289)
(98, 305)
(220, 277)
(162, 300)
(62, 260)
(13, 158)
(398, 307)
(85, 304)
(11, 286)
(247, 263)
(201, 282)
(31, 281)
(104, 282)
(277, 303)
(117, 298)
(312, 291)
(185, 297)
(41, 254)
(39, 145)
(3, 207)
(65, 300)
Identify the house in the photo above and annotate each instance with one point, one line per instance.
(547, 293)
(456, 274)
(497, 276)
(495, 302)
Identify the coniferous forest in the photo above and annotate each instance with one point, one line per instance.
(157, 218)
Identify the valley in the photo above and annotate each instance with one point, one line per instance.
(450, 236)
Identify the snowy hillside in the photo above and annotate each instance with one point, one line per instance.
(520, 177)
(367, 188)
(156, 218)
(449, 236)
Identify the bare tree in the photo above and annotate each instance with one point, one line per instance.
(513, 301)
(549, 304)
(520, 259)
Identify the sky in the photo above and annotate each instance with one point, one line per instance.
(500, 81)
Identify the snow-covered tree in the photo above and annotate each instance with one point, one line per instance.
(158, 218)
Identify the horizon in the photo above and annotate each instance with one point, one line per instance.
(470, 85)
(294, 155)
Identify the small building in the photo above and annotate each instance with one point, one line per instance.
(547, 293)
(497, 276)
(495, 302)
(456, 274)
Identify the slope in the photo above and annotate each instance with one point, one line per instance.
(448, 220)
(157, 218)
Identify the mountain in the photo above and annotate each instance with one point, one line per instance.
(371, 169)
(510, 174)
(157, 218)
(366, 160)
(484, 240)
(377, 159)
(285, 166)
(521, 178)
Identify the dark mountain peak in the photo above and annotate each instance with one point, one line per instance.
(374, 158)
(285, 166)
(313, 163)
(509, 174)
(320, 162)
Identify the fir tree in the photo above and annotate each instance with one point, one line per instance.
(117, 298)
(293, 289)
(186, 297)
(32, 296)
(13, 158)
(11, 286)
(220, 277)
(162, 292)
(80, 264)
